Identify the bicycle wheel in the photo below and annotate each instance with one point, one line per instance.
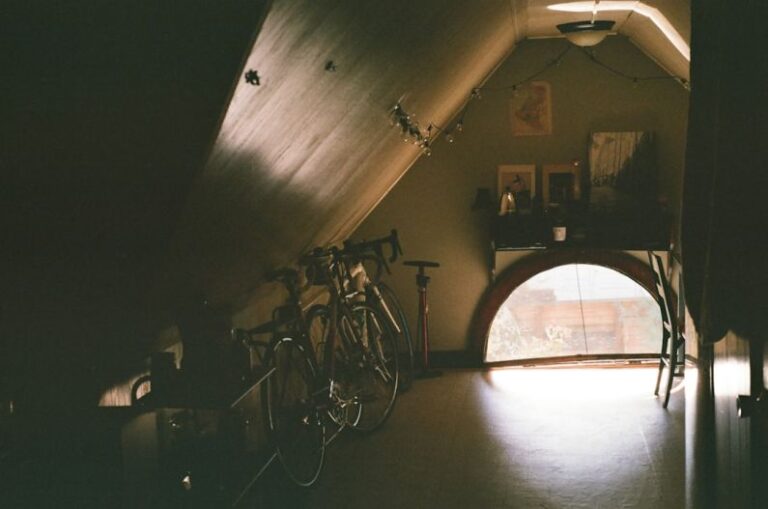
(293, 419)
(344, 411)
(373, 359)
(404, 338)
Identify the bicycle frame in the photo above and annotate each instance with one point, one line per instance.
(365, 278)
(366, 338)
(357, 276)
(332, 272)
(289, 323)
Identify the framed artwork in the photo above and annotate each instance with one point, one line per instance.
(519, 177)
(521, 180)
(622, 168)
(531, 110)
(561, 183)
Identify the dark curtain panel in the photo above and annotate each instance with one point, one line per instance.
(725, 202)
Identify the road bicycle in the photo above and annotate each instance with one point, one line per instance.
(291, 394)
(333, 368)
(364, 355)
(366, 265)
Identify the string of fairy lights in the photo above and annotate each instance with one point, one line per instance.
(412, 133)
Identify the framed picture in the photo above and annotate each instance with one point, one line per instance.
(622, 168)
(561, 183)
(531, 110)
(521, 180)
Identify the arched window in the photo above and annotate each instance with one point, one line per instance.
(574, 310)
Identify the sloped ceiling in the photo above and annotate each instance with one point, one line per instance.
(139, 168)
(109, 110)
(302, 158)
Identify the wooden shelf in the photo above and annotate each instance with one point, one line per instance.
(586, 230)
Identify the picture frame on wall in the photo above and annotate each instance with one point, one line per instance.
(561, 183)
(622, 168)
(531, 110)
(521, 180)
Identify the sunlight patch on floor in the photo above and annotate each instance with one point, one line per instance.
(580, 384)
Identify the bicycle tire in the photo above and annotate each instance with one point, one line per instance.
(373, 348)
(406, 364)
(293, 420)
(318, 321)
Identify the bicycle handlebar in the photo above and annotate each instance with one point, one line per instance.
(376, 246)
(319, 259)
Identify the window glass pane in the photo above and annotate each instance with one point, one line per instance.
(575, 310)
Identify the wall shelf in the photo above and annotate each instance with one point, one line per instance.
(628, 231)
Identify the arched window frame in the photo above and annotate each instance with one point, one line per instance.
(529, 266)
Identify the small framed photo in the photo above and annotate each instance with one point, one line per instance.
(561, 183)
(521, 180)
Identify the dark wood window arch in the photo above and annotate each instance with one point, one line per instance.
(531, 265)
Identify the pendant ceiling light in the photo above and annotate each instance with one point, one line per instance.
(587, 33)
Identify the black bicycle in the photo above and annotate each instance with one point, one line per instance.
(366, 264)
(332, 368)
(291, 395)
(363, 353)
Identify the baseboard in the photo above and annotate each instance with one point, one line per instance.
(455, 359)
(471, 359)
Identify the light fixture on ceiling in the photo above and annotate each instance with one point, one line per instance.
(633, 6)
(587, 33)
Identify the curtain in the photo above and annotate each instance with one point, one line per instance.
(724, 233)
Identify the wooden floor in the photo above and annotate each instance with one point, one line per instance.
(518, 438)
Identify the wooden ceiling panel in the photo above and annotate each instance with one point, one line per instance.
(305, 156)
(678, 12)
(646, 36)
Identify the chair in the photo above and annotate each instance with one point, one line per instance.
(672, 340)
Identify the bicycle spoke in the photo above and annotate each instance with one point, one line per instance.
(375, 372)
(388, 301)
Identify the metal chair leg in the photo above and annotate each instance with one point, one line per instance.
(664, 340)
(672, 366)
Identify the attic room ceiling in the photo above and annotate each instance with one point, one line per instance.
(140, 168)
(305, 155)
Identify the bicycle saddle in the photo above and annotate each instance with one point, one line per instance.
(420, 263)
